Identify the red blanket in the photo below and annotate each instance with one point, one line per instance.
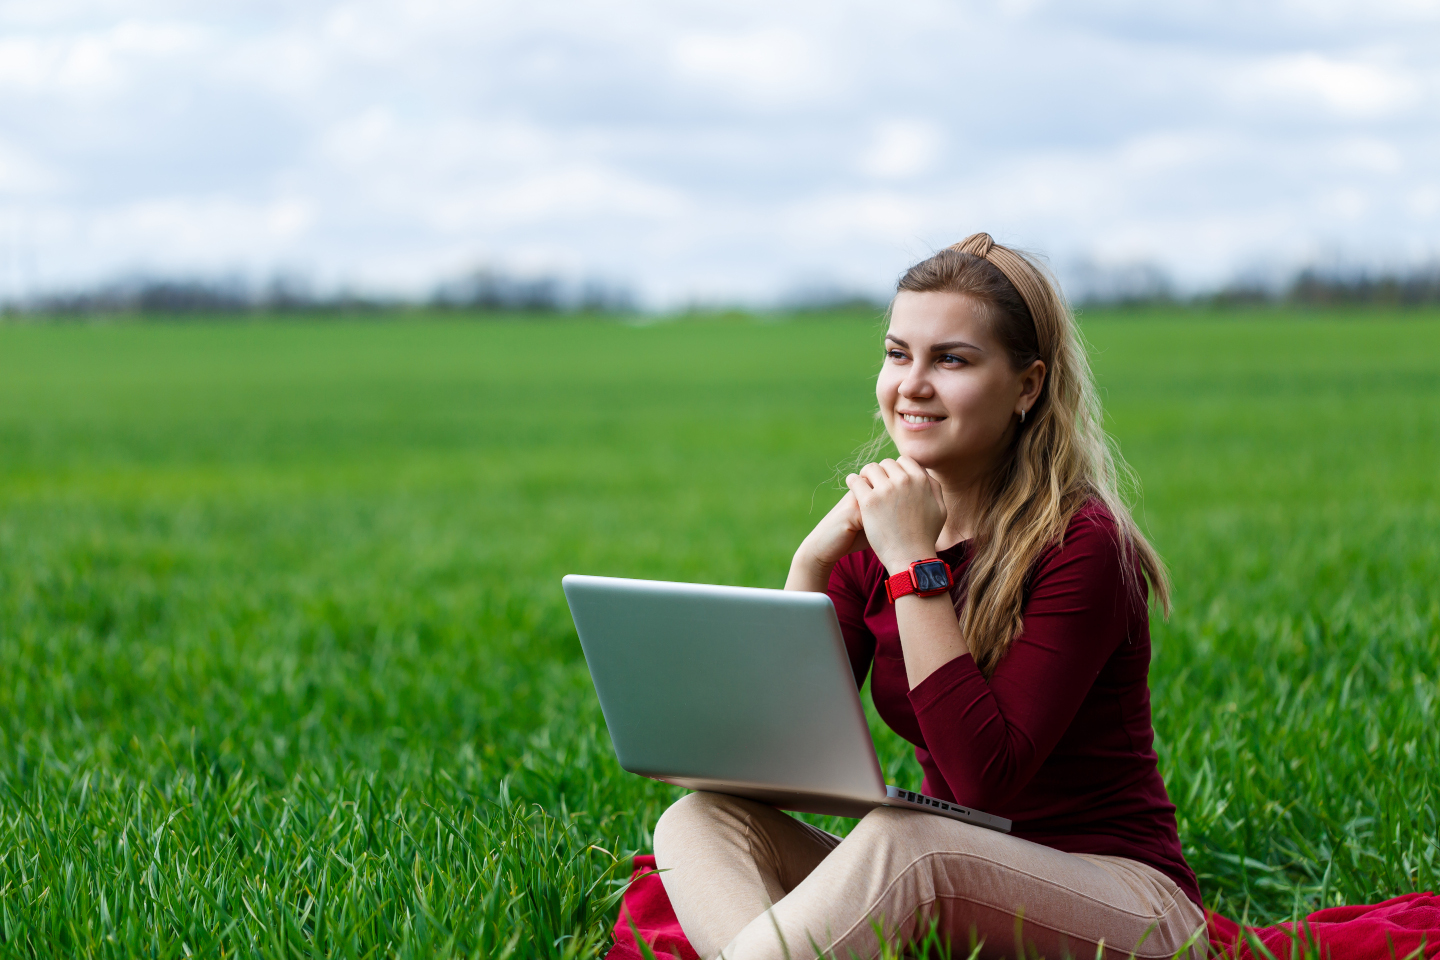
(1399, 929)
(1403, 928)
(647, 906)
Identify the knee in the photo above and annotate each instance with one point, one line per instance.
(891, 823)
(696, 814)
(891, 834)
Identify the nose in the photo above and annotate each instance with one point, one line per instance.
(916, 385)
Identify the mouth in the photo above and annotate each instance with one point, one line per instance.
(919, 418)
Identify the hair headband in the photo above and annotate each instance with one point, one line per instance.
(1020, 274)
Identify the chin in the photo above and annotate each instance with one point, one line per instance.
(924, 454)
(929, 463)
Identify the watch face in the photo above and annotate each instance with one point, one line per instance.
(930, 576)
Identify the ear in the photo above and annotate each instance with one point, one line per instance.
(1031, 380)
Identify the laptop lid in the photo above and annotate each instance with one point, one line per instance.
(737, 690)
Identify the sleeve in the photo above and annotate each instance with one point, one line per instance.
(847, 592)
(988, 739)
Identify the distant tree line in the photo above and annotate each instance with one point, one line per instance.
(1143, 284)
(1420, 286)
(144, 295)
(483, 290)
(488, 290)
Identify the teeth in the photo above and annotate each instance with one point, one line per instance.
(911, 418)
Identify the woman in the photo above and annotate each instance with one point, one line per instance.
(1023, 686)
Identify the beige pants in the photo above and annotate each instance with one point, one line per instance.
(748, 881)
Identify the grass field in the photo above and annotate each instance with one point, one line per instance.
(285, 668)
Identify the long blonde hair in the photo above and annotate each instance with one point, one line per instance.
(1060, 457)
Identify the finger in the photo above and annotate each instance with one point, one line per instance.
(858, 486)
(875, 474)
(892, 469)
(911, 468)
(886, 471)
(851, 503)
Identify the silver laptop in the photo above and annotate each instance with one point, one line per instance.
(736, 690)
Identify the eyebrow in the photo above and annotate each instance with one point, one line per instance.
(939, 347)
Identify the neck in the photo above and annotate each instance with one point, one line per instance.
(964, 493)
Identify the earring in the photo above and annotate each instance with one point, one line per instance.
(1022, 414)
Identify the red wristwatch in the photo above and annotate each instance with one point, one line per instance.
(925, 578)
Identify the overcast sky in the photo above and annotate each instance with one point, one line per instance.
(718, 151)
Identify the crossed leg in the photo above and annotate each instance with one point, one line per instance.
(749, 882)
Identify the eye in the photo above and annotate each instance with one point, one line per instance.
(894, 353)
(952, 358)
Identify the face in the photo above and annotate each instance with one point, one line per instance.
(948, 393)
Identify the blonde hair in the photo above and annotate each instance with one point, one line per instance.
(1060, 457)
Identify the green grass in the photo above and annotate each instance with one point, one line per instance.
(285, 667)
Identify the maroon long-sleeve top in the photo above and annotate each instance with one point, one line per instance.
(1059, 738)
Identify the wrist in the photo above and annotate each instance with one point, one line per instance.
(898, 560)
(809, 561)
(808, 572)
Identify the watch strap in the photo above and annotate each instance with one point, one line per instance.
(903, 583)
(899, 585)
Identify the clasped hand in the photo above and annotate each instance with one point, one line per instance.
(893, 506)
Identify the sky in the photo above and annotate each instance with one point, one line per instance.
(711, 152)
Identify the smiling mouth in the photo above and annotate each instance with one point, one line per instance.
(916, 418)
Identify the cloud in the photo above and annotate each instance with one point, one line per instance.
(1423, 203)
(91, 63)
(21, 175)
(200, 232)
(1348, 88)
(710, 149)
(770, 67)
(901, 149)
